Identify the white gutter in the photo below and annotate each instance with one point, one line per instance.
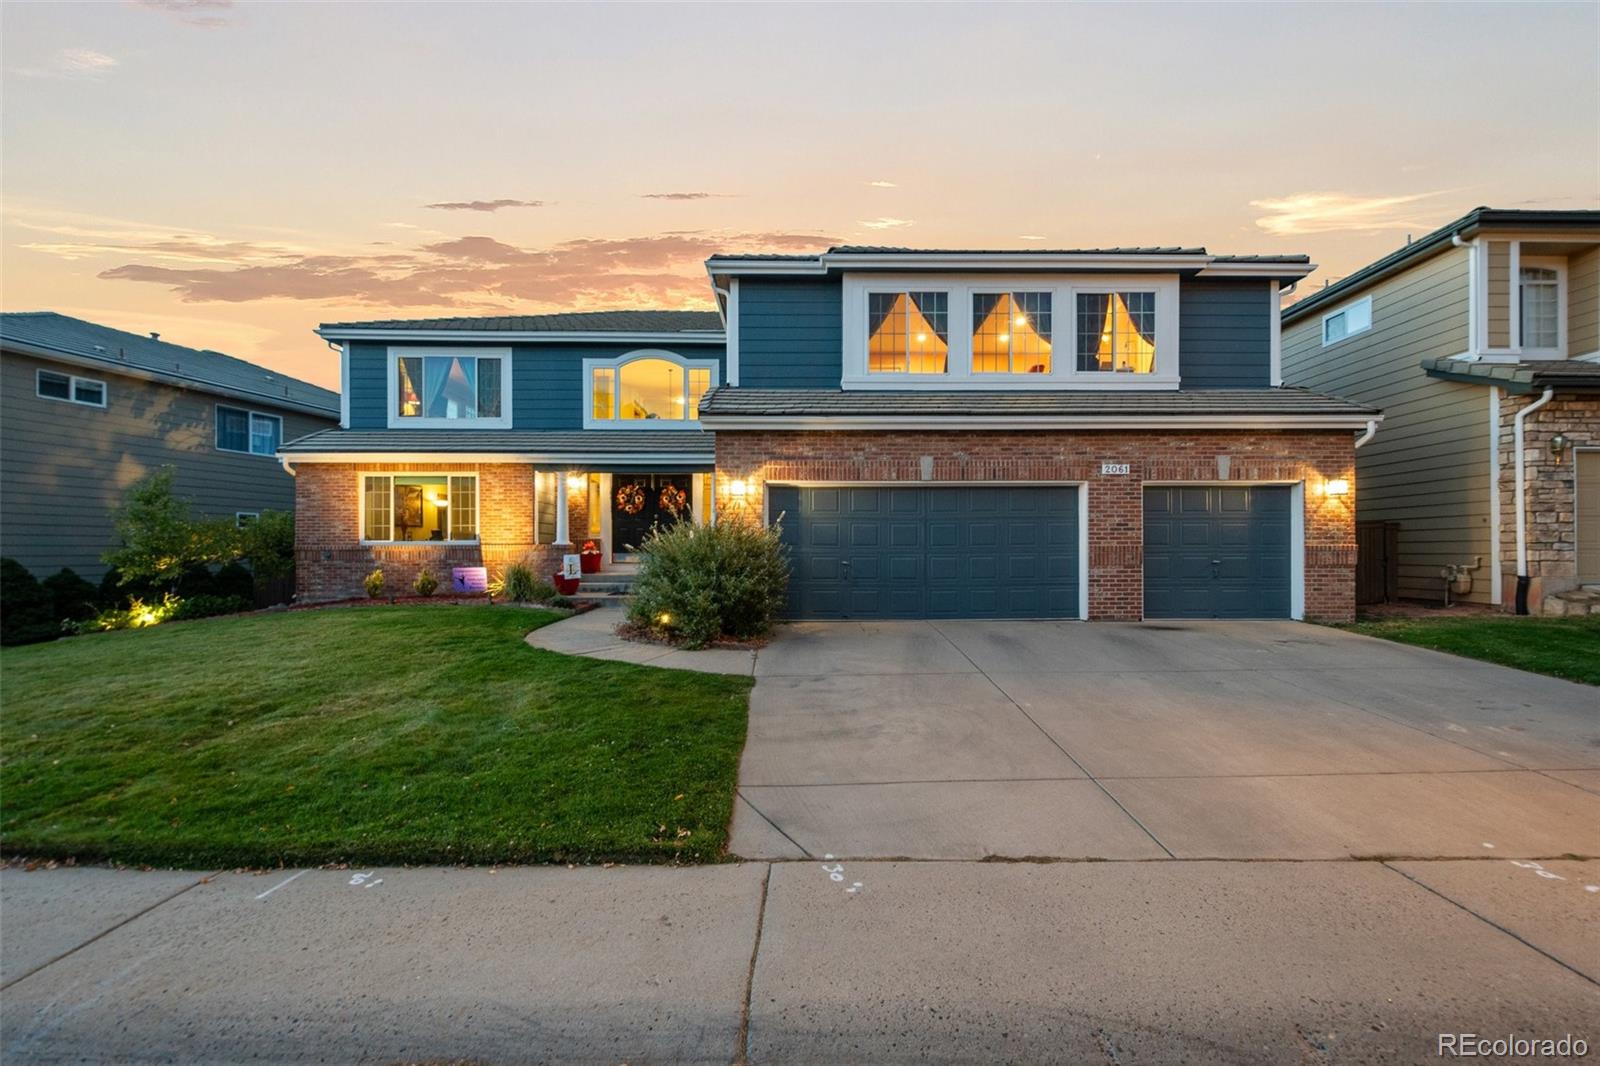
(1372, 431)
(503, 336)
(596, 460)
(1014, 422)
(1522, 513)
(288, 467)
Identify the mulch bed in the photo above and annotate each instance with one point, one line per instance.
(1381, 612)
(641, 635)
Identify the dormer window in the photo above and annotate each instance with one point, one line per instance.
(449, 388)
(646, 390)
(908, 332)
(999, 331)
(1541, 313)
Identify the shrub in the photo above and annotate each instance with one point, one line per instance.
(373, 583)
(161, 541)
(137, 615)
(518, 583)
(71, 597)
(698, 583)
(234, 580)
(207, 606)
(26, 613)
(426, 583)
(268, 544)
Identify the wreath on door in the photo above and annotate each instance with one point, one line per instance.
(630, 498)
(674, 500)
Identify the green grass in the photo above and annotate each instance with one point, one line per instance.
(362, 735)
(1561, 647)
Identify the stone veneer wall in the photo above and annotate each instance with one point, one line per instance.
(1551, 492)
(1116, 502)
(331, 562)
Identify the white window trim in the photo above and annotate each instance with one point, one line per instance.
(361, 507)
(616, 365)
(394, 419)
(249, 432)
(1064, 372)
(1540, 262)
(1341, 309)
(72, 388)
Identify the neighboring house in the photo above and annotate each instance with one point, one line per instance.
(86, 411)
(1058, 434)
(1480, 343)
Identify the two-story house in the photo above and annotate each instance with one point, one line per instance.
(1040, 434)
(1481, 343)
(86, 411)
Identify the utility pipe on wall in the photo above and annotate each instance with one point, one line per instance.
(1522, 513)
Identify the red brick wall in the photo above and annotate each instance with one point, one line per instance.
(1116, 503)
(331, 562)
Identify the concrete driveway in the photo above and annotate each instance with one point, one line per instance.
(1236, 740)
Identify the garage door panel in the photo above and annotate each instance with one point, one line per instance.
(934, 552)
(1217, 552)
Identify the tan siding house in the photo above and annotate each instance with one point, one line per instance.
(86, 411)
(1451, 336)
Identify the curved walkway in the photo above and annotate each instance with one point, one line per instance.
(594, 634)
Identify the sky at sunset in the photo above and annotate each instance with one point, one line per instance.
(233, 174)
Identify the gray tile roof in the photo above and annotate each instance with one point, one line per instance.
(868, 249)
(567, 322)
(46, 332)
(1530, 375)
(621, 443)
(726, 401)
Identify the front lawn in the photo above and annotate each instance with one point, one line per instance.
(428, 734)
(1560, 647)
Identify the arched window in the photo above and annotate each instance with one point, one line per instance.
(651, 387)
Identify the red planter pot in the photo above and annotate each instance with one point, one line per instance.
(567, 586)
(590, 562)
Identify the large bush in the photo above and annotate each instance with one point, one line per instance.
(26, 613)
(699, 583)
(161, 540)
(267, 544)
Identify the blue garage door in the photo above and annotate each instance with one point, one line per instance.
(1214, 552)
(935, 552)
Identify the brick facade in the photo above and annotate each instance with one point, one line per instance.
(1116, 502)
(331, 562)
(1550, 490)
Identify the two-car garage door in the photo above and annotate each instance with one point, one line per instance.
(983, 551)
(1012, 551)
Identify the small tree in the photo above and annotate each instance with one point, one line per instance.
(161, 540)
(268, 544)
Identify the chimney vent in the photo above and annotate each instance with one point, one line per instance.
(154, 335)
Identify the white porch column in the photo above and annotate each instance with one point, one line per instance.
(563, 509)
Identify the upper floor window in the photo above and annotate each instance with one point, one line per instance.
(654, 387)
(1349, 320)
(251, 432)
(71, 388)
(455, 388)
(1117, 332)
(908, 332)
(1540, 296)
(1011, 332)
(998, 332)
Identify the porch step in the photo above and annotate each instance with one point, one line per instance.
(1578, 601)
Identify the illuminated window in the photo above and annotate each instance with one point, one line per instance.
(419, 507)
(1117, 332)
(1011, 333)
(908, 332)
(450, 387)
(648, 389)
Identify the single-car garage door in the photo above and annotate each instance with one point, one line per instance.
(1216, 552)
(866, 551)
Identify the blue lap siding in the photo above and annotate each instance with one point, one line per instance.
(789, 333)
(1224, 334)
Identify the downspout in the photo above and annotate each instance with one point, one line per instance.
(1522, 514)
(1372, 431)
(288, 467)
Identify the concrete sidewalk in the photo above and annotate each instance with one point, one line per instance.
(803, 962)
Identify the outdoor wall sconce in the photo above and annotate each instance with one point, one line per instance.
(1336, 486)
(576, 481)
(1558, 444)
(738, 487)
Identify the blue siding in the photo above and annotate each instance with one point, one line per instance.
(368, 385)
(546, 380)
(1224, 334)
(789, 333)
